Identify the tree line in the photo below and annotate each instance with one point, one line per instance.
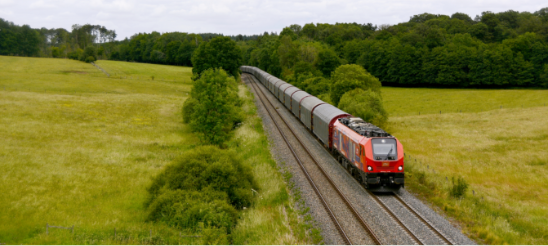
(56, 42)
(506, 49)
(497, 50)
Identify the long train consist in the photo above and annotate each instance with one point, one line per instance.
(372, 156)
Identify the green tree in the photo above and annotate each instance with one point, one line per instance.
(217, 106)
(309, 30)
(28, 41)
(480, 31)
(462, 16)
(288, 32)
(404, 65)
(316, 86)
(349, 77)
(365, 104)
(328, 61)
(220, 52)
(287, 52)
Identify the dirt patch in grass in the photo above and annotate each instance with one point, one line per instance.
(73, 71)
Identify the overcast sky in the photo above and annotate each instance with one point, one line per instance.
(232, 17)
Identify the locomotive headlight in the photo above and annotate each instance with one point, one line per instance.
(369, 168)
(400, 168)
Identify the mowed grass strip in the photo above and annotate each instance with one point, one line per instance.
(78, 148)
(500, 153)
(412, 101)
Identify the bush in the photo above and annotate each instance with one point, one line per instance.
(188, 109)
(90, 59)
(185, 209)
(208, 168)
(459, 189)
(367, 105)
(75, 55)
(88, 51)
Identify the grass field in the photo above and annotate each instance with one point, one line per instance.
(144, 71)
(501, 153)
(79, 148)
(412, 101)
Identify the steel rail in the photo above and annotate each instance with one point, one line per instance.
(437, 232)
(332, 183)
(395, 217)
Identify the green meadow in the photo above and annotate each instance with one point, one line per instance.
(501, 153)
(412, 101)
(79, 149)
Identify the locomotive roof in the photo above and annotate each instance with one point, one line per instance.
(363, 128)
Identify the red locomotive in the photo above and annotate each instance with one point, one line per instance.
(369, 154)
(372, 156)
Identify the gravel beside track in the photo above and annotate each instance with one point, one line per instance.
(383, 225)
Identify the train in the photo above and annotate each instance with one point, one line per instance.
(371, 155)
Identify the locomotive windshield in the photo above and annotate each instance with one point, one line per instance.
(384, 148)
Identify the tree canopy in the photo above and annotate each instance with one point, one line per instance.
(349, 77)
(216, 107)
(496, 50)
(365, 104)
(220, 52)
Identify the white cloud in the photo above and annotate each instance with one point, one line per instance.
(41, 4)
(6, 3)
(233, 16)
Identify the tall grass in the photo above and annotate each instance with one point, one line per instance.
(78, 148)
(500, 153)
(273, 219)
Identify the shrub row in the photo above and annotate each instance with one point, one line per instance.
(206, 187)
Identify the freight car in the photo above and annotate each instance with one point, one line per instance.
(371, 156)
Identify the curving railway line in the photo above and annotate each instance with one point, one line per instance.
(352, 227)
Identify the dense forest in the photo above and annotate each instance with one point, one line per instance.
(506, 49)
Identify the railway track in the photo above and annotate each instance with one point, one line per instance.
(399, 201)
(316, 175)
(351, 226)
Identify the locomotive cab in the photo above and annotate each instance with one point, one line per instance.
(384, 165)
